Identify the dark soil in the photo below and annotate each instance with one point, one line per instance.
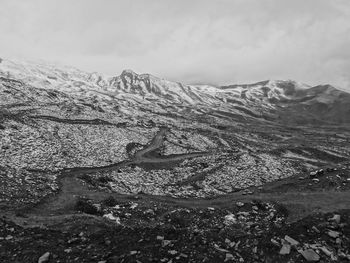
(84, 223)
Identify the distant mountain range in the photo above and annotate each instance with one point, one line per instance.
(282, 101)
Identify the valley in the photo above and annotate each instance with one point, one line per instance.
(135, 168)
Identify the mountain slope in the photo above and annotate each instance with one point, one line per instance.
(281, 101)
(216, 140)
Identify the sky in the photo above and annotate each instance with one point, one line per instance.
(214, 42)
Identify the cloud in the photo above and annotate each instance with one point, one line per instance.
(198, 41)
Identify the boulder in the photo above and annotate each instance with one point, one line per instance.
(285, 250)
(165, 242)
(44, 258)
(239, 204)
(229, 257)
(333, 234)
(326, 251)
(310, 255)
(291, 241)
(335, 218)
(230, 220)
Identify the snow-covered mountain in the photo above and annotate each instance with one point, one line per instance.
(271, 100)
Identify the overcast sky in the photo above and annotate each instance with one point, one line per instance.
(192, 41)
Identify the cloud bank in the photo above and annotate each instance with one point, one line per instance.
(198, 41)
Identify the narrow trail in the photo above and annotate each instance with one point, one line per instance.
(76, 121)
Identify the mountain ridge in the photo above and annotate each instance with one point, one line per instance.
(278, 100)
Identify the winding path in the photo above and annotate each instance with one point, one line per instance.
(78, 121)
(70, 187)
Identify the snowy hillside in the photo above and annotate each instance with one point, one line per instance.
(277, 100)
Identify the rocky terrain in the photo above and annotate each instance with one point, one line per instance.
(135, 168)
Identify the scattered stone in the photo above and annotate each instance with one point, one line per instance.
(313, 174)
(291, 241)
(44, 258)
(237, 244)
(247, 192)
(149, 211)
(310, 255)
(71, 241)
(165, 243)
(316, 229)
(230, 243)
(275, 242)
(160, 238)
(315, 246)
(326, 251)
(228, 257)
(255, 250)
(335, 218)
(133, 205)
(172, 252)
(239, 204)
(285, 250)
(110, 216)
(333, 234)
(343, 255)
(230, 220)
(220, 249)
(243, 213)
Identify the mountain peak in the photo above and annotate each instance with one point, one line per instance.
(132, 74)
(128, 72)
